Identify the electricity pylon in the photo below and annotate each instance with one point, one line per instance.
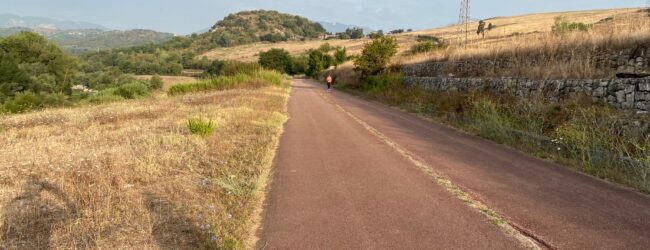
(464, 20)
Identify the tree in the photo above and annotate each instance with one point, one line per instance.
(481, 28)
(376, 34)
(12, 78)
(352, 33)
(318, 61)
(63, 67)
(316, 64)
(343, 36)
(276, 59)
(29, 47)
(41, 60)
(376, 55)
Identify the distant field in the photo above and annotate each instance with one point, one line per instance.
(505, 28)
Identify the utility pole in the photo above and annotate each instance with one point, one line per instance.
(463, 21)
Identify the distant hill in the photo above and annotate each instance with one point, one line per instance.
(340, 27)
(81, 40)
(260, 25)
(43, 23)
(84, 40)
(10, 31)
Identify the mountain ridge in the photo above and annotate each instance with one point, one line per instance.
(8, 20)
(81, 40)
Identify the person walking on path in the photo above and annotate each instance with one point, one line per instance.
(329, 82)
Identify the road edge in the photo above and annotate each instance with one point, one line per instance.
(265, 180)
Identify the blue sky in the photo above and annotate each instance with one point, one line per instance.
(186, 16)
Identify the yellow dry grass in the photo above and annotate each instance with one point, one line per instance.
(527, 25)
(534, 34)
(523, 24)
(129, 175)
(250, 52)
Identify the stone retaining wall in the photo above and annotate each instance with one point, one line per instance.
(628, 93)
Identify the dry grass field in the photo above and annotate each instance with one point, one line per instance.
(250, 52)
(517, 33)
(533, 32)
(130, 175)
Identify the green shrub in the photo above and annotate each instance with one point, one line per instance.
(26, 101)
(156, 82)
(198, 126)
(299, 65)
(22, 102)
(132, 90)
(422, 47)
(376, 55)
(562, 26)
(382, 82)
(215, 68)
(276, 59)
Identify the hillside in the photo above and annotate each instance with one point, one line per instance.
(507, 29)
(256, 26)
(81, 40)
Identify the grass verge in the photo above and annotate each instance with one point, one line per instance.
(132, 175)
(252, 79)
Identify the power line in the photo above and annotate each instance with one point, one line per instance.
(464, 20)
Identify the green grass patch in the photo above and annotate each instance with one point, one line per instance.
(254, 79)
(199, 126)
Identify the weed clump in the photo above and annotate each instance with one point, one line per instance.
(199, 126)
